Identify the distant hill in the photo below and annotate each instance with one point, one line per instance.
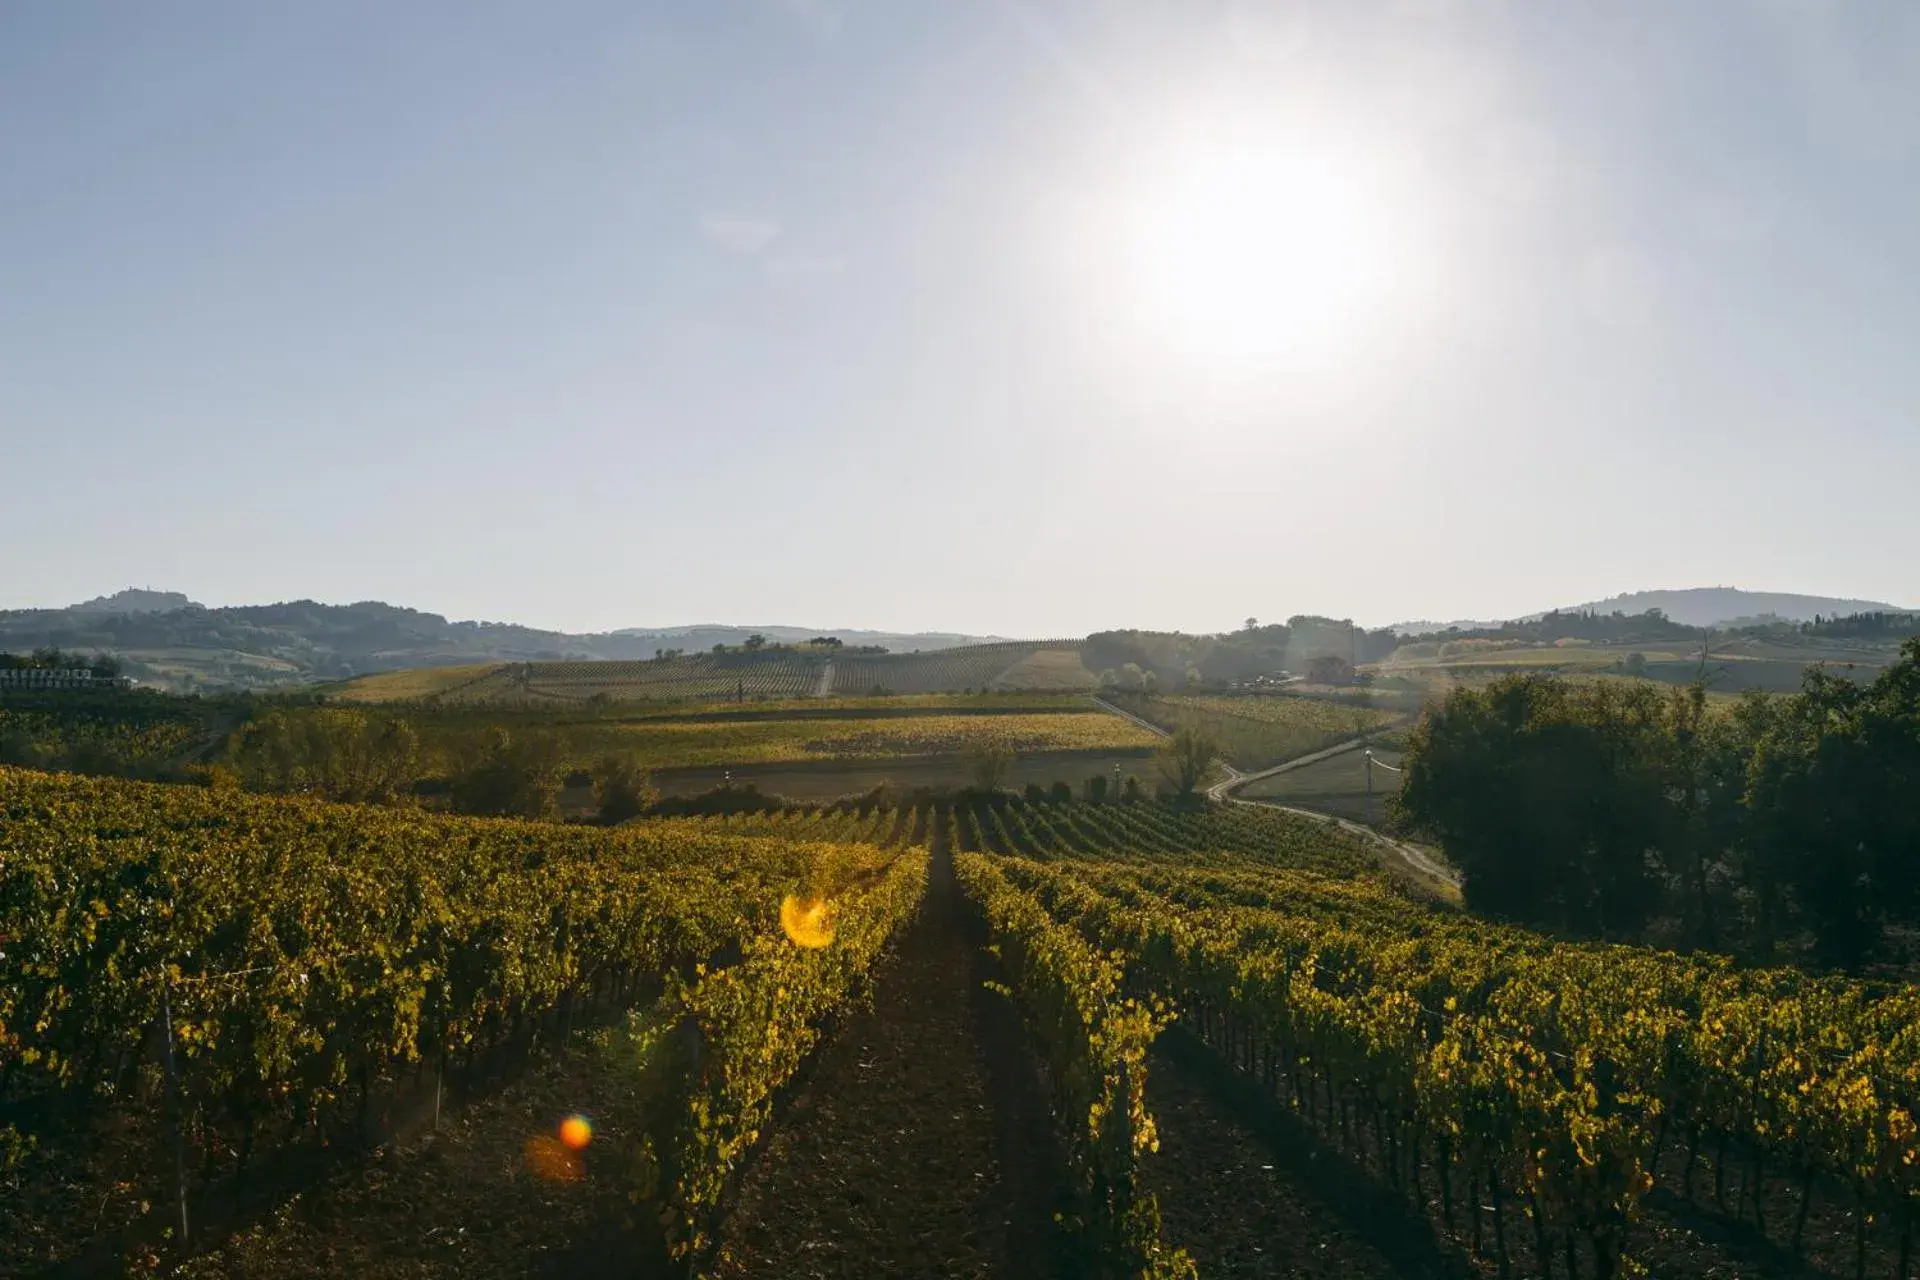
(1725, 606)
(705, 635)
(134, 600)
(1426, 626)
(165, 639)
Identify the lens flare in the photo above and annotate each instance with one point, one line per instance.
(576, 1132)
(808, 921)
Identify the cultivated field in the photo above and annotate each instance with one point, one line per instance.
(1018, 665)
(1336, 785)
(937, 730)
(662, 743)
(1730, 666)
(106, 732)
(763, 675)
(775, 1044)
(693, 676)
(412, 684)
(1255, 731)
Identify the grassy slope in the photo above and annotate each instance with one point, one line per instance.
(1336, 785)
(1255, 732)
(406, 686)
(1048, 669)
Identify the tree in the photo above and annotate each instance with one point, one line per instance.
(509, 776)
(988, 762)
(622, 790)
(1834, 827)
(1595, 808)
(1253, 624)
(331, 752)
(755, 642)
(1549, 797)
(1634, 664)
(1187, 759)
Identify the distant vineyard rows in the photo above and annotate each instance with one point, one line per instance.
(777, 674)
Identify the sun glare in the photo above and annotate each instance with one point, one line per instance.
(1265, 252)
(808, 922)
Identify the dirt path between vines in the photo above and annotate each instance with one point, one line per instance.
(1239, 1203)
(921, 1145)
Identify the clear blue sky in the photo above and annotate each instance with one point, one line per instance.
(1025, 317)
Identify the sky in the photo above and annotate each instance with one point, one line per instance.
(995, 316)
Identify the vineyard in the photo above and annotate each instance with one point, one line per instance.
(710, 740)
(685, 678)
(390, 947)
(737, 675)
(1537, 1099)
(1429, 1092)
(1014, 665)
(1547, 1108)
(112, 731)
(1254, 732)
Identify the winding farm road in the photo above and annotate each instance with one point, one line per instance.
(1416, 858)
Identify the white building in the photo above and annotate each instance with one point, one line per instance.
(56, 678)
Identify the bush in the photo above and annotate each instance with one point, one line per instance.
(988, 763)
(513, 777)
(622, 790)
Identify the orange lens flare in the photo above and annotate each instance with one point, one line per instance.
(808, 922)
(575, 1133)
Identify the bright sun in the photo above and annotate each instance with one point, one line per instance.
(1264, 253)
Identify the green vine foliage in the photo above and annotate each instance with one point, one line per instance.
(306, 951)
(1095, 1038)
(1554, 1068)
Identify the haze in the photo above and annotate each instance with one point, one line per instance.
(1000, 317)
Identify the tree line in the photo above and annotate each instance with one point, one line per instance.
(357, 757)
(1780, 827)
(53, 658)
(1878, 625)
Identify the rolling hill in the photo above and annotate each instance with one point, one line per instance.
(1727, 606)
(167, 640)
